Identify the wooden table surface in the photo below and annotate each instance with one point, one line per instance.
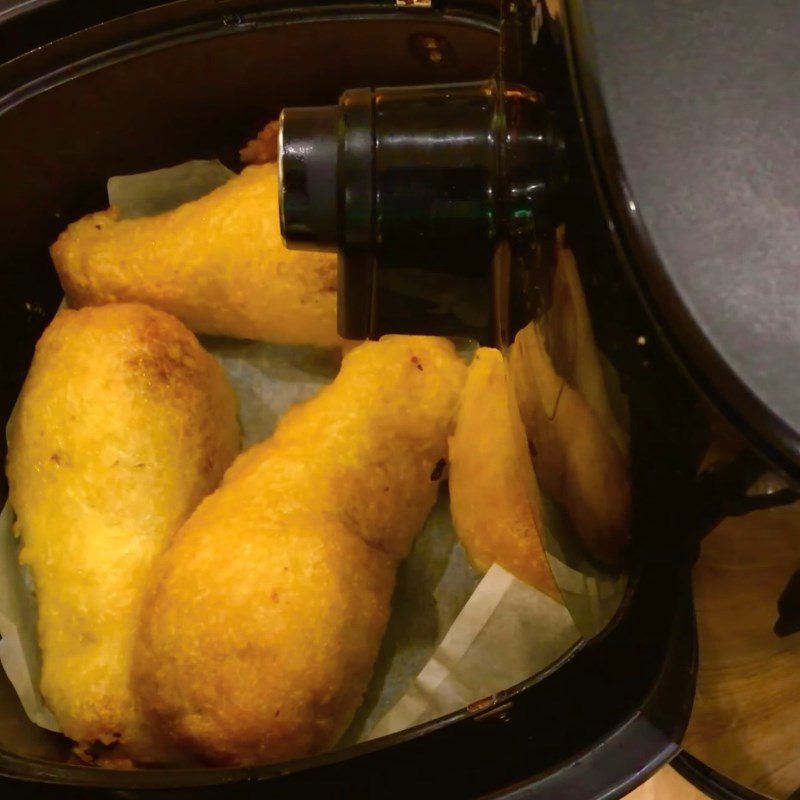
(746, 719)
(666, 785)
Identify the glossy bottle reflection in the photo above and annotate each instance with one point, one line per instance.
(578, 446)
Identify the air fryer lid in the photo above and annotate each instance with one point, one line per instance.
(692, 114)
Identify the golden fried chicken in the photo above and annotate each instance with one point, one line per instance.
(264, 617)
(124, 423)
(218, 263)
(494, 498)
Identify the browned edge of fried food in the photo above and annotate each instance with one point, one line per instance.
(264, 148)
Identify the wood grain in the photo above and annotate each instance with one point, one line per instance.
(666, 785)
(746, 718)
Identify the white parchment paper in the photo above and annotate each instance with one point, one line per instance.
(19, 645)
(505, 633)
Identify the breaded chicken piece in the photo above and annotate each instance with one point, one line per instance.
(217, 263)
(264, 617)
(123, 425)
(494, 498)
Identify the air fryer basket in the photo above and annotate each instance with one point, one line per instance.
(195, 80)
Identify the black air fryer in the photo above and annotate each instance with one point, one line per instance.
(446, 148)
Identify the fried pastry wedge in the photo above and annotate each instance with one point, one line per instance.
(494, 497)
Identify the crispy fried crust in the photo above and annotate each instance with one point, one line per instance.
(217, 263)
(264, 148)
(124, 423)
(494, 498)
(264, 617)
